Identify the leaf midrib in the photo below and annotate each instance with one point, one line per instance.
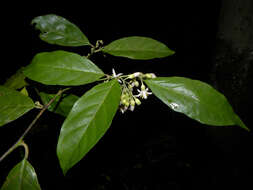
(92, 119)
(98, 108)
(84, 38)
(67, 69)
(45, 33)
(136, 50)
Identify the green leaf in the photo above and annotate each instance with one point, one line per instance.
(57, 30)
(24, 91)
(22, 177)
(62, 105)
(137, 47)
(87, 122)
(195, 99)
(62, 68)
(13, 105)
(16, 81)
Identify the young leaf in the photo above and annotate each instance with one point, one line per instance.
(62, 68)
(87, 122)
(137, 47)
(24, 91)
(57, 30)
(22, 177)
(195, 99)
(62, 105)
(16, 81)
(13, 105)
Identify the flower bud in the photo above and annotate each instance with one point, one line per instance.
(130, 87)
(123, 96)
(150, 75)
(137, 101)
(125, 102)
(134, 75)
(136, 83)
(132, 102)
(38, 105)
(131, 76)
(137, 74)
(131, 108)
(143, 87)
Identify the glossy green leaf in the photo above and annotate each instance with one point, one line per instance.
(16, 81)
(57, 30)
(87, 122)
(22, 177)
(62, 105)
(13, 105)
(62, 68)
(137, 47)
(195, 99)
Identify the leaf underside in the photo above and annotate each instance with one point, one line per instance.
(16, 81)
(62, 105)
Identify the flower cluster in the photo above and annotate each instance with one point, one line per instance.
(130, 85)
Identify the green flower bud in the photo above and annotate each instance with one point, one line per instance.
(132, 102)
(130, 86)
(123, 96)
(124, 101)
(143, 87)
(136, 83)
(137, 101)
(38, 105)
(134, 75)
(131, 76)
(150, 75)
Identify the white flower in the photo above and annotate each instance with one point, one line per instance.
(134, 75)
(114, 75)
(137, 74)
(131, 108)
(143, 93)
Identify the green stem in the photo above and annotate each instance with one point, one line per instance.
(26, 149)
(20, 140)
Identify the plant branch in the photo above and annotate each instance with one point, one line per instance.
(26, 149)
(20, 140)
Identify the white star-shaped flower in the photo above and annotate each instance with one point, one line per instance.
(114, 75)
(143, 93)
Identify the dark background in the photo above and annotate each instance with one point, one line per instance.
(152, 148)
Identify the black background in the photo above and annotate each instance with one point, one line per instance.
(153, 147)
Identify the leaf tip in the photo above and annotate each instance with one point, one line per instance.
(240, 123)
(64, 171)
(172, 52)
(245, 127)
